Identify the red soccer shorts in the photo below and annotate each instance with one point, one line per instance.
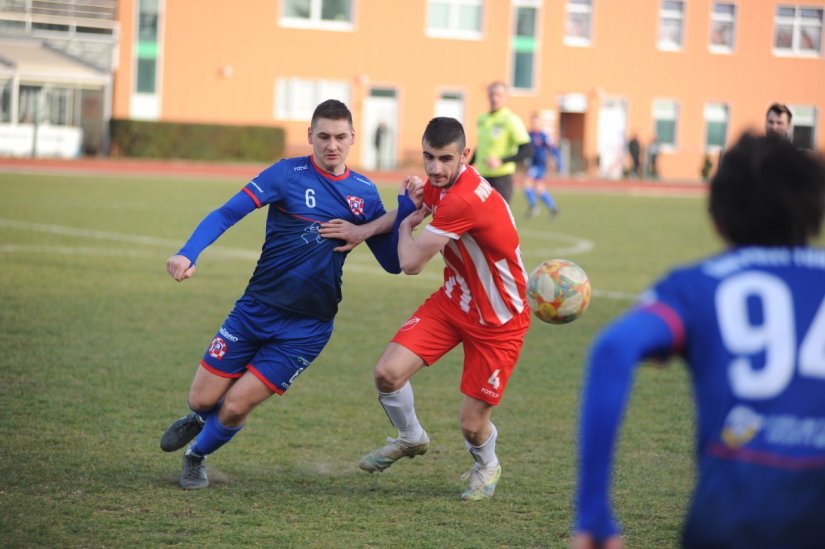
(490, 352)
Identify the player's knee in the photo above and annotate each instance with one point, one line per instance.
(387, 380)
(233, 412)
(474, 436)
(201, 403)
(475, 424)
(473, 429)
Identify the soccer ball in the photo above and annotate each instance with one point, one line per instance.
(558, 291)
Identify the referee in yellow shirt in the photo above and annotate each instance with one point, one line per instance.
(502, 142)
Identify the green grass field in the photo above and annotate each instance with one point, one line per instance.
(99, 346)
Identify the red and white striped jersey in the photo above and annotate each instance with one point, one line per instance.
(484, 274)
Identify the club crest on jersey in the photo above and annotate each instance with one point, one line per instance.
(411, 323)
(217, 348)
(356, 205)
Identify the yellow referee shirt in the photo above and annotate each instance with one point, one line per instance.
(498, 135)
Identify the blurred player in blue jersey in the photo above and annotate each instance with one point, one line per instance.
(534, 188)
(750, 324)
(285, 317)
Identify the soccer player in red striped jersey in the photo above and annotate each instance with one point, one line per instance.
(482, 305)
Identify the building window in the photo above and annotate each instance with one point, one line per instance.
(5, 101)
(524, 43)
(296, 98)
(579, 22)
(716, 126)
(29, 109)
(722, 27)
(146, 71)
(451, 104)
(665, 121)
(671, 25)
(454, 19)
(58, 104)
(797, 31)
(317, 14)
(804, 126)
(147, 47)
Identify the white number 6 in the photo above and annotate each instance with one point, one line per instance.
(310, 198)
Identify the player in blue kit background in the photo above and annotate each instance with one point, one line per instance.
(285, 317)
(750, 324)
(534, 187)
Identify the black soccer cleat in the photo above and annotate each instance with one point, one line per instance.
(181, 432)
(193, 476)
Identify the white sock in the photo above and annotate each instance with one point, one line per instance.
(401, 411)
(485, 454)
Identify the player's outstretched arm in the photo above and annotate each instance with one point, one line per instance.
(612, 361)
(180, 267)
(410, 196)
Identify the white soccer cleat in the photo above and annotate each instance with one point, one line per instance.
(395, 449)
(482, 482)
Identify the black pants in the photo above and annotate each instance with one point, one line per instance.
(503, 184)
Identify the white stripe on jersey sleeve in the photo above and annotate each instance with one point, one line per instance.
(439, 232)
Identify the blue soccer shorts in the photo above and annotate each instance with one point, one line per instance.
(537, 172)
(272, 344)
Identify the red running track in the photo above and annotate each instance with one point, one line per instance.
(246, 171)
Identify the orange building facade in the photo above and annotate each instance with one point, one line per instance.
(693, 73)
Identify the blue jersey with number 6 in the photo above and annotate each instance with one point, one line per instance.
(297, 270)
(750, 323)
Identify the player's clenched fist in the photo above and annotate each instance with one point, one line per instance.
(415, 187)
(180, 268)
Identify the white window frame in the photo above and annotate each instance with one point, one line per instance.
(450, 100)
(296, 98)
(796, 23)
(711, 114)
(723, 18)
(804, 116)
(314, 20)
(667, 14)
(666, 109)
(453, 30)
(572, 9)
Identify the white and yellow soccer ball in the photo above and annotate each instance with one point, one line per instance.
(558, 291)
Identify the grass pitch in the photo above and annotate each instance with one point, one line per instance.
(99, 346)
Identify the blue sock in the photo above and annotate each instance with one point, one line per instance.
(531, 197)
(214, 435)
(548, 200)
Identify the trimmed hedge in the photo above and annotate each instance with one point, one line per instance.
(143, 139)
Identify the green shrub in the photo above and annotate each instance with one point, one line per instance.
(144, 139)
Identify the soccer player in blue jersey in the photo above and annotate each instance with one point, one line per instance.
(750, 325)
(534, 187)
(285, 317)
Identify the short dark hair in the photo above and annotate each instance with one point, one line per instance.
(331, 109)
(442, 131)
(767, 192)
(780, 109)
